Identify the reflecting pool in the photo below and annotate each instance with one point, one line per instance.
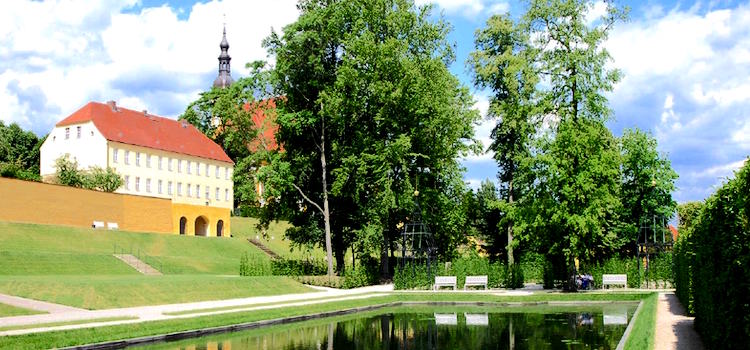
(542, 327)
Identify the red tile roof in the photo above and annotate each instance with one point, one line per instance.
(265, 123)
(674, 231)
(137, 128)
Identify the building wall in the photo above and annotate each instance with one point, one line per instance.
(140, 165)
(89, 148)
(191, 212)
(33, 202)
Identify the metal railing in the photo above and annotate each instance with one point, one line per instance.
(144, 259)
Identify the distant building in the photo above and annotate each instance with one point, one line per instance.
(157, 157)
(224, 79)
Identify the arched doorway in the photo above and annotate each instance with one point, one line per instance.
(201, 226)
(219, 228)
(183, 225)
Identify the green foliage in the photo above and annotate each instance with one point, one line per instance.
(19, 153)
(647, 184)
(67, 172)
(688, 214)
(533, 267)
(323, 281)
(660, 271)
(413, 276)
(626, 266)
(498, 274)
(514, 276)
(713, 257)
(17, 171)
(366, 273)
(298, 267)
(95, 178)
(244, 265)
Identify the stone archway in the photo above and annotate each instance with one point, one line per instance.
(201, 226)
(219, 228)
(183, 225)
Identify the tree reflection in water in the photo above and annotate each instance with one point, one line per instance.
(419, 331)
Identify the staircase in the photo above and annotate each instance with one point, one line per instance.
(138, 264)
(265, 249)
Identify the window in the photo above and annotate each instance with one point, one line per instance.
(179, 165)
(208, 193)
(169, 188)
(226, 194)
(127, 182)
(78, 132)
(148, 185)
(169, 164)
(188, 190)
(137, 184)
(137, 158)
(217, 172)
(217, 193)
(207, 173)
(197, 191)
(127, 157)
(67, 133)
(114, 155)
(226, 173)
(188, 167)
(179, 188)
(161, 160)
(197, 169)
(148, 161)
(159, 189)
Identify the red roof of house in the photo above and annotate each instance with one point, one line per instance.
(265, 123)
(674, 231)
(127, 126)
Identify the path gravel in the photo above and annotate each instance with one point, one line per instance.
(36, 305)
(674, 329)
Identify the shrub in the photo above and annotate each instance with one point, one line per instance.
(514, 276)
(292, 267)
(364, 274)
(627, 266)
(684, 255)
(322, 281)
(414, 276)
(721, 265)
(255, 266)
(532, 265)
(17, 171)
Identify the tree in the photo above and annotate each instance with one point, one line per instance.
(487, 219)
(647, 183)
(19, 153)
(67, 173)
(96, 178)
(503, 62)
(575, 205)
(371, 116)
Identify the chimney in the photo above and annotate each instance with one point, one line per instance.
(184, 123)
(145, 112)
(113, 105)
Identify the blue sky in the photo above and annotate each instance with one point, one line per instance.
(686, 67)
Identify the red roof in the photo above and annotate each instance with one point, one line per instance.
(265, 124)
(674, 231)
(127, 126)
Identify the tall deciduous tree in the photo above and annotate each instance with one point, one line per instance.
(370, 114)
(503, 62)
(576, 199)
(647, 184)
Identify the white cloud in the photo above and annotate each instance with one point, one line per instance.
(742, 135)
(468, 8)
(596, 12)
(71, 52)
(482, 131)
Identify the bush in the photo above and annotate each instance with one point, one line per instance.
(659, 272)
(514, 276)
(322, 281)
(16, 171)
(721, 265)
(364, 274)
(554, 272)
(257, 266)
(413, 276)
(627, 266)
(416, 277)
(291, 267)
(532, 265)
(684, 255)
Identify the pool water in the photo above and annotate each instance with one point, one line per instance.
(590, 327)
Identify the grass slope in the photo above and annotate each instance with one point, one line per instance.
(244, 228)
(644, 328)
(28, 249)
(94, 335)
(8, 310)
(103, 292)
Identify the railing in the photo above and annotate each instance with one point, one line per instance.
(143, 258)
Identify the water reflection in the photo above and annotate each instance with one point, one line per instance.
(437, 330)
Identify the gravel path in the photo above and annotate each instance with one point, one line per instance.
(158, 312)
(674, 330)
(36, 304)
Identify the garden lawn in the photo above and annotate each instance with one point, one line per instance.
(100, 334)
(8, 310)
(104, 292)
(275, 240)
(29, 249)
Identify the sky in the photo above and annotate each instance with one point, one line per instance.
(686, 67)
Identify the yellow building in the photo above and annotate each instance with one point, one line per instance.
(156, 157)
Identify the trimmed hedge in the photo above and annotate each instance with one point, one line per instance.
(498, 275)
(721, 266)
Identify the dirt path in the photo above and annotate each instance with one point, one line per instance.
(674, 330)
(36, 304)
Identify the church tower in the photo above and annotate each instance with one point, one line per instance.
(225, 78)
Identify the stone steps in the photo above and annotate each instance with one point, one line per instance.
(265, 249)
(138, 264)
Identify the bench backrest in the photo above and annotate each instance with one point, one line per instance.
(445, 279)
(112, 226)
(476, 279)
(614, 279)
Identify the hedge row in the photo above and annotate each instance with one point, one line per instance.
(498, 275)
(712, 264)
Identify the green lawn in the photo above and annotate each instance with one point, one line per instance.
(94, 335)
(275, 240)
(8, 310)
(102, 292)
(644, 328)
(28, 249)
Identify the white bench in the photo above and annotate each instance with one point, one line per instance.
(476, 281)
(112, 226)
(97, 224)
(608, 280)
(444, 281)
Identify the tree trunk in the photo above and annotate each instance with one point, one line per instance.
(326, 212)
(511, 260)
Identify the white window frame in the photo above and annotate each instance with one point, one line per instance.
(188, 167)
(198, 168)
(217, 171)
(137, 158)
(226, 194)
(148, 160)
(148, 185)
(179, 189)
(208, 193)
(208, 173)
(179, 165)
(217, 194)
(78, 132)
(188, 192)
(169, 163)
(169, 188)
(127, 182)
(127, 157)
(114, 155)
(137, 184)
(226, 173)
(161, 161)
(67, 133)
(159, 183)
(197, 191)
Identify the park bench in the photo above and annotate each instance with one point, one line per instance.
(476, 281)
(608, 280)
(444, 281)
(112, 226)
(97, 224)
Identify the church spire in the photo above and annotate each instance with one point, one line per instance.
(224, 78)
